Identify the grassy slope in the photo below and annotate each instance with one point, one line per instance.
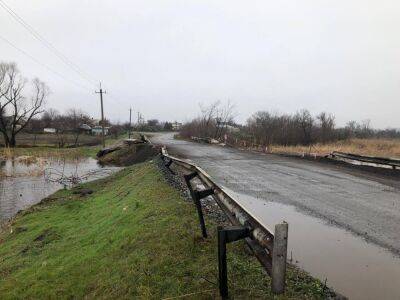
(133, 237)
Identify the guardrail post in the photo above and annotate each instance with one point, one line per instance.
(227, 235)
(187, 178)
(197, 196)
(279, 258)
(168, 165)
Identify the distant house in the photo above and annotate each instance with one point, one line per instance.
(85, 128)
(97, 130)
(49, 130)
(228, 126)
(231, 128)
(176, 126)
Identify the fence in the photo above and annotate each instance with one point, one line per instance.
(391, 162)
(269, 248)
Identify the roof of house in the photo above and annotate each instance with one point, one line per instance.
(85, 127)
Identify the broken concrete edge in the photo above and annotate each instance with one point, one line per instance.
(124, 143)
(105, 151)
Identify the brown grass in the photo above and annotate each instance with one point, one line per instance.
(51, 140)
(371, 147)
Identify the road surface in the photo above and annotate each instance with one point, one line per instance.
(360, 204)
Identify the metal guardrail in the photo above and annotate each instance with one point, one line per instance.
(269, 248)
(392, 162)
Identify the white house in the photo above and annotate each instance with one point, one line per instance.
(97, 130)
(176, 126)
(49, 130)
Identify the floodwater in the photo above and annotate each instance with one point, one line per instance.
(24, 183)
(355, 268)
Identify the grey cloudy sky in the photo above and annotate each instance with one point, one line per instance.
(166, 57)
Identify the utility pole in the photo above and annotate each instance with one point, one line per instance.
(101, 92)
(138, 118)
(130, 121)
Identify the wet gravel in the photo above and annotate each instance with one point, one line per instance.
(175, 179)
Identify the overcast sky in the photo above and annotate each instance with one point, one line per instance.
(165, 57)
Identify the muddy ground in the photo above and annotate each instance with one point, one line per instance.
(129, 155)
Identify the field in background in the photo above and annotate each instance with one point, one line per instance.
(371, 147)
(48, 139)
(51, 150)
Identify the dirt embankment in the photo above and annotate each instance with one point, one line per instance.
(126, 155)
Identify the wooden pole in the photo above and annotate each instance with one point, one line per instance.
(102, 116)
(130, 122)
(279, 257)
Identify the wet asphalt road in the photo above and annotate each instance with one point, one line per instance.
(358, 203)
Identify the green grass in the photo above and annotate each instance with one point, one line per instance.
(134, 237)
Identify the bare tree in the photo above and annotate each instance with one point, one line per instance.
(327, 127)
(16, 110)
(213, 121)
(208, 115)
(60, 123)
(75, 118)
(306, 122)
(224, 117)
(48, 117)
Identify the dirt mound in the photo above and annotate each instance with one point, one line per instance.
(129, 155)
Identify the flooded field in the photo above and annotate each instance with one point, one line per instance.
(355, 268)
(24, 181)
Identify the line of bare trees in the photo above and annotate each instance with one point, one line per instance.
(264, 128)
(213, 122)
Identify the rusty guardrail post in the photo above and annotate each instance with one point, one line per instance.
(279, 257)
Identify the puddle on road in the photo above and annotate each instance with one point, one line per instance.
(23, 183)
(352, 267)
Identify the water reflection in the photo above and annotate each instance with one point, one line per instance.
(25, 181)
(353, 267)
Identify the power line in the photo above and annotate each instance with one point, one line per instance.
(43, 65)
(50, 47)
(52, 70)
(114, 98)
(46, 43)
